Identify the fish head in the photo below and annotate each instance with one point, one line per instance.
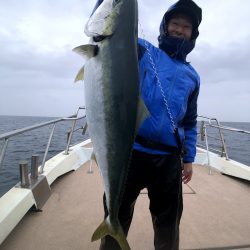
(105, 18)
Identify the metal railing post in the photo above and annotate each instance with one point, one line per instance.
(208, 156)
(90, 170)
(202, 130)
(72, 131)
(47, 149)
(224, 148)
(70, 136)
(3, 151)
(24, 174)
(34, 167)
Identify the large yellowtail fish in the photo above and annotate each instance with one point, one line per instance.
(113, 107)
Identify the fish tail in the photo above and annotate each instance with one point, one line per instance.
(105, 229)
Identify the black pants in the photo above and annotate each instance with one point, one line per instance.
(161, 175)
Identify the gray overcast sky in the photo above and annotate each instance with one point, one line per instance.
(37, 65)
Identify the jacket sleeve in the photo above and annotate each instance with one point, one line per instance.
(189, 124)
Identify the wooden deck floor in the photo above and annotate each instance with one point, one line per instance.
(216, 215)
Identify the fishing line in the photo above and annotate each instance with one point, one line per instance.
(152, 63)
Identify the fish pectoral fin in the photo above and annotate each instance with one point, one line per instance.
(105, 229)
(87, 51)
(142, 114)
(80, 75)
(102, 22)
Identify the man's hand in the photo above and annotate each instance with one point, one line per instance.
(187, 172)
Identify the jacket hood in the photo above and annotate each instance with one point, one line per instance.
(178, 46)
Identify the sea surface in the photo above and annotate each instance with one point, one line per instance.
(22, 147)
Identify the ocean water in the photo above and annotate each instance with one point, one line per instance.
(237, 144)
(23, 146)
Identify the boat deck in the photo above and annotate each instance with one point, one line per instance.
(216, 215)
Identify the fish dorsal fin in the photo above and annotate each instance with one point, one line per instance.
(142, 114)
(102, 22)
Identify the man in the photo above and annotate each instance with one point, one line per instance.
(165, 146)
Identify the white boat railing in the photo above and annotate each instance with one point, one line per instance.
(74, 118)
(207, 122)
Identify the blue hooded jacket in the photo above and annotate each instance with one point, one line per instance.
(180, 83)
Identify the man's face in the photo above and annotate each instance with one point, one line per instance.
(180, 26)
